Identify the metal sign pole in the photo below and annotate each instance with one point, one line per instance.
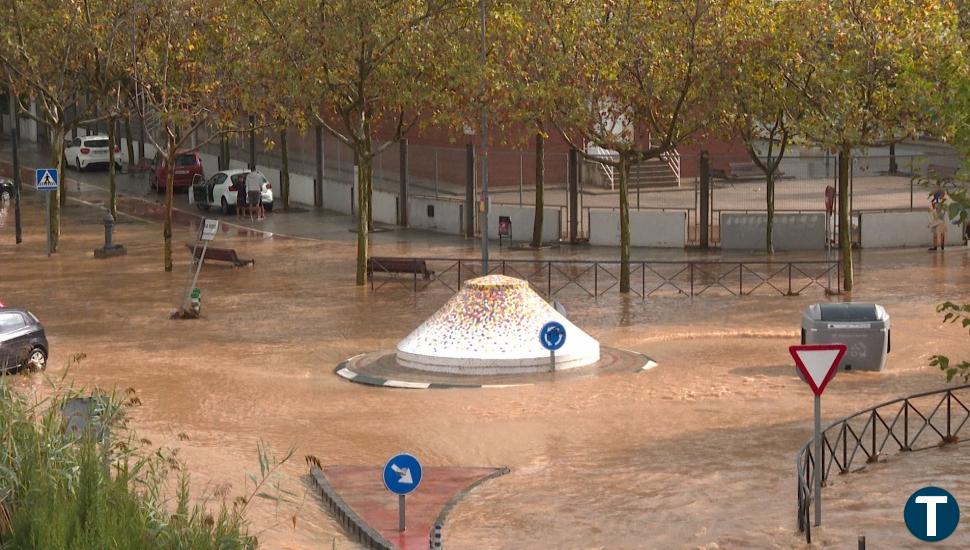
(47, 220)
(817, 470)
(828, 248)
(195, 279)
(400, 513)
(552, 361)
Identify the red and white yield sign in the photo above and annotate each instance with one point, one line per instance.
(818, 363)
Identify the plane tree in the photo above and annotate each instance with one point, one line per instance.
(864, 76)
(645, 75)
(371, 70)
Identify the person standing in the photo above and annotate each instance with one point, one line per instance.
(938, 218)
(254, 188)
(242, 202)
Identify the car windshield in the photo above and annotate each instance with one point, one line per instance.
(185, 160)
(96, 143)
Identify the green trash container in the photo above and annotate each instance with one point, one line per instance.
(196, 300)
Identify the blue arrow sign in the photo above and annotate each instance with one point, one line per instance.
(402, 474)
(552, 335)
(45, 179)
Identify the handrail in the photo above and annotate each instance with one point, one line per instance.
(595, 278)
(845, 433)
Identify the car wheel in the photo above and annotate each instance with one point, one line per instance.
(268, 206)
(77, 164)
(225, 206)
(36, 360)
(5, 196)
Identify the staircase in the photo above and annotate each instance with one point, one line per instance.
(657, 172)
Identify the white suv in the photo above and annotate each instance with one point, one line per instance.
(82, 152)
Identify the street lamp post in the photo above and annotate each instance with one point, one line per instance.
(485, 202)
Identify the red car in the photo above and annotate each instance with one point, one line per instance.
(187, 167)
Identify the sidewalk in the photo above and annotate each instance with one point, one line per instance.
(306, 222)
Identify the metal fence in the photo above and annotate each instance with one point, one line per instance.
(592, 279)
(915, 423)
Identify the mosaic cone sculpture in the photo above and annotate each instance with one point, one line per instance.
(492, 327)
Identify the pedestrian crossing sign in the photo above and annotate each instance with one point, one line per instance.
(46, 179)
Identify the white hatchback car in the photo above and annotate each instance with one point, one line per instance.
(223, 187)
(84, 152)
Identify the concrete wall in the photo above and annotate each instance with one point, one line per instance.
(301, 189)
(337, 196)
(791, 231)
(647, 228)
(522, 218)
(384, 207)
(902, 229)
(447, 215)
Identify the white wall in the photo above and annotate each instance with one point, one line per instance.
(447, 215)
(301, 189)
(647, 228)
(384, 207)
(522, 218)
(740, 231)
(337, 196)
(902, 229)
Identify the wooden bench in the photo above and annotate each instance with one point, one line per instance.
(220, 255)
(395, 266)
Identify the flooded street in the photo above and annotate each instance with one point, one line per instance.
(697, 453)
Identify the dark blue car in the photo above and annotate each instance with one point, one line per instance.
(22, 340)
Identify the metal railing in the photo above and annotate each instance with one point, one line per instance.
(595, 278)
(915, 423)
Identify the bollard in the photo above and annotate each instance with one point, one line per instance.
(109, 223)
(436, 537)
(862, 542)
(109, 249)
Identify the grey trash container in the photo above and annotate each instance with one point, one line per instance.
(863, 328)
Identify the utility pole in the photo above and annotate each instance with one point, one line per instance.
(485, 201)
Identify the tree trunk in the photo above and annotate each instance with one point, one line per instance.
(540, 182)
(169, 195)
(363, 207)
(129, 145)
(112, 184)
(58, 200)
(624, 170)
(770, 199)
(252, 142)
(370, 195)
(285, 172)
(845, 228)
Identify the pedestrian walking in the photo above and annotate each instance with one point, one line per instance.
(938, 219)
(254, 189)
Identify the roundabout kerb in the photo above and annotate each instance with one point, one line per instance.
(914, 423)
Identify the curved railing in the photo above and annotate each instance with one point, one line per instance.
(915, 423)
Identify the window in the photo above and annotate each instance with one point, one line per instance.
(218, 178)
(186, 160)
(100, 142)
(10, 322)
(76, 142)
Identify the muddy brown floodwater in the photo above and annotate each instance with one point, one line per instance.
(697, 453)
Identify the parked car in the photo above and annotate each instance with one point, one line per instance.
(188, 170)
(220, 190)
(87, 151)
(22, 340)
(6, 190)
